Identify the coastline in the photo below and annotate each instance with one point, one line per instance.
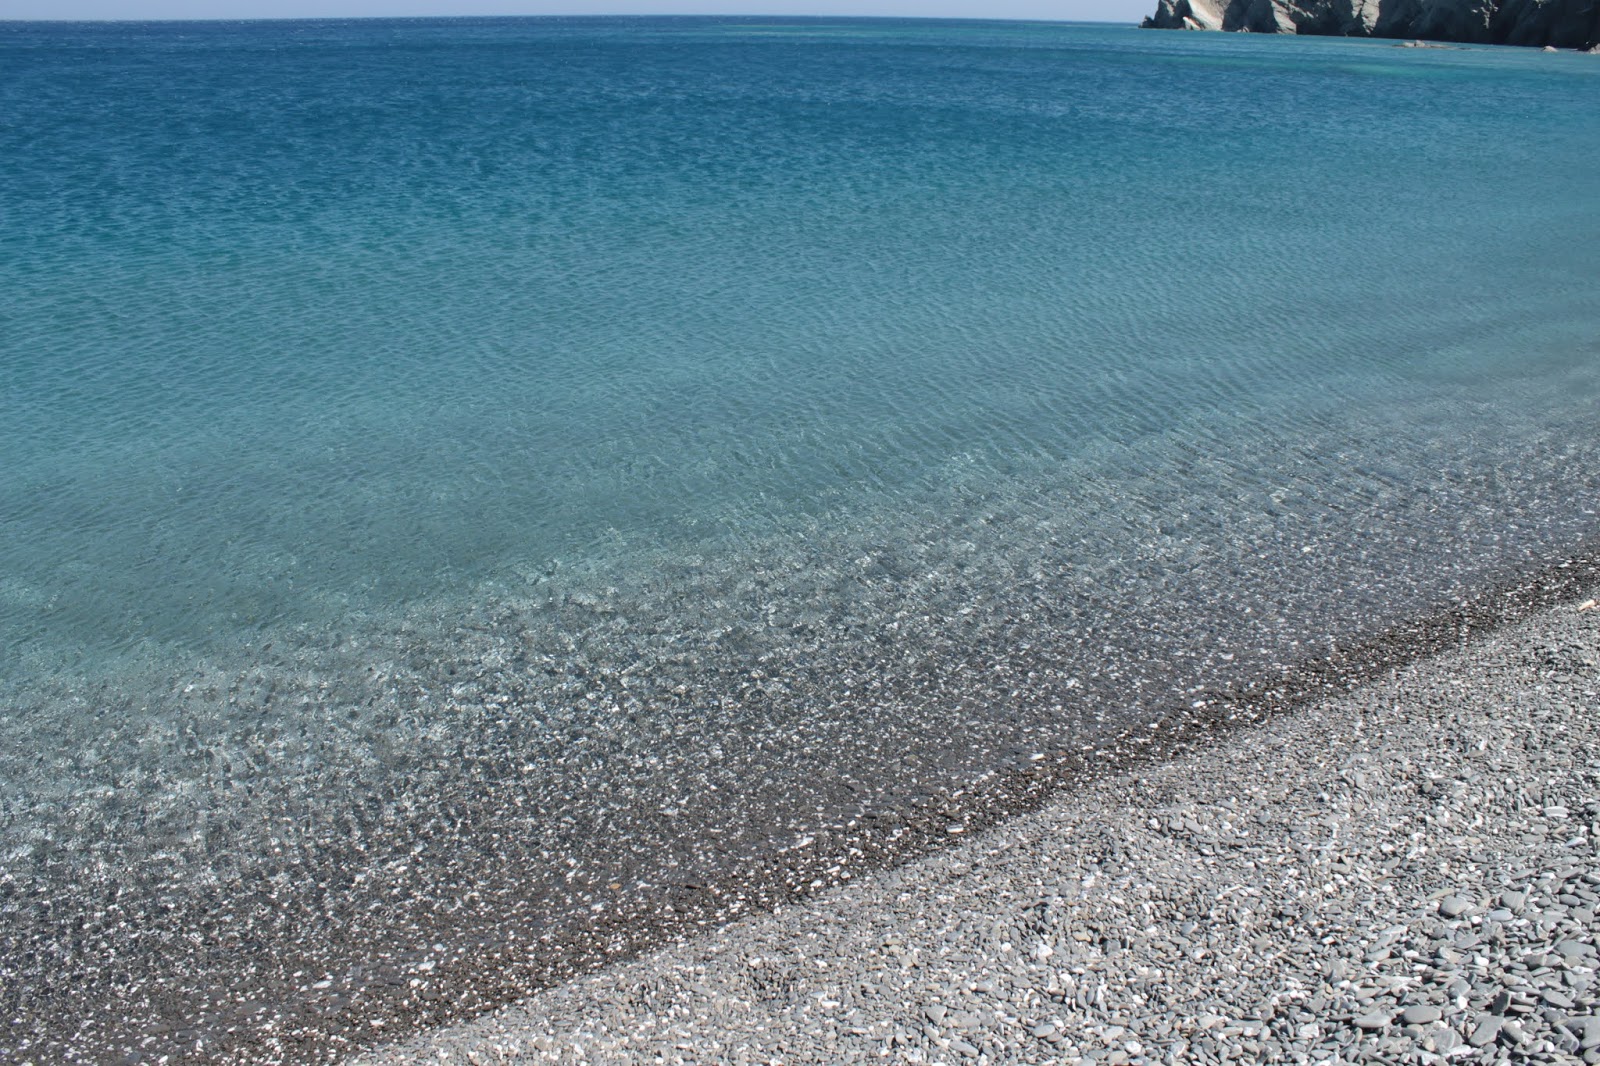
(1390, 871)
(441, 972)
(287, 990)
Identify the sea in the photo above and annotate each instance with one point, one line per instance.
(480, 496)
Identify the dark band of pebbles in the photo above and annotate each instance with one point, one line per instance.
(1407, 873)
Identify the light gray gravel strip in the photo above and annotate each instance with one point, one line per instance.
(1406, 874)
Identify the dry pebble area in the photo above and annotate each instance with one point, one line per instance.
(1406, 874)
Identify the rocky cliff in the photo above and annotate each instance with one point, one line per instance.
(1540, 23)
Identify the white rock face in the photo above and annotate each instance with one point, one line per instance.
(1204, 15)
(1187, 15)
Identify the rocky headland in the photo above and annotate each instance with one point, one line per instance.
(1535, 23)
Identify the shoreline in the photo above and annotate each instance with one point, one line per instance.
(1363, 840)
(406, 988)
(357, 942)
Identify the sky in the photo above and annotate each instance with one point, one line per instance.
(1086, 10)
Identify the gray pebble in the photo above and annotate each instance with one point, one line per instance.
(1587, 1030)
(1485, 1029)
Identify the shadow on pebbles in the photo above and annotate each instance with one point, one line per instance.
(1405, 874)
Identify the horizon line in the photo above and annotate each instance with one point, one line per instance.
(64, 19)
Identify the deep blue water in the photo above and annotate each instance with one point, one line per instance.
(388, 407)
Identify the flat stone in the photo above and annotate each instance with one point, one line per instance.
(1587, 1030)
(1420, 1015)
(1454, 906)
(1485, 1029)
(1375, 1020)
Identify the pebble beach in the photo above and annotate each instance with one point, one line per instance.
(1402, 873)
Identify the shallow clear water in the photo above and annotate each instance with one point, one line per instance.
(407, 424)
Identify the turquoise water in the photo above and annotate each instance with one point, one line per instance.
(480, 416)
